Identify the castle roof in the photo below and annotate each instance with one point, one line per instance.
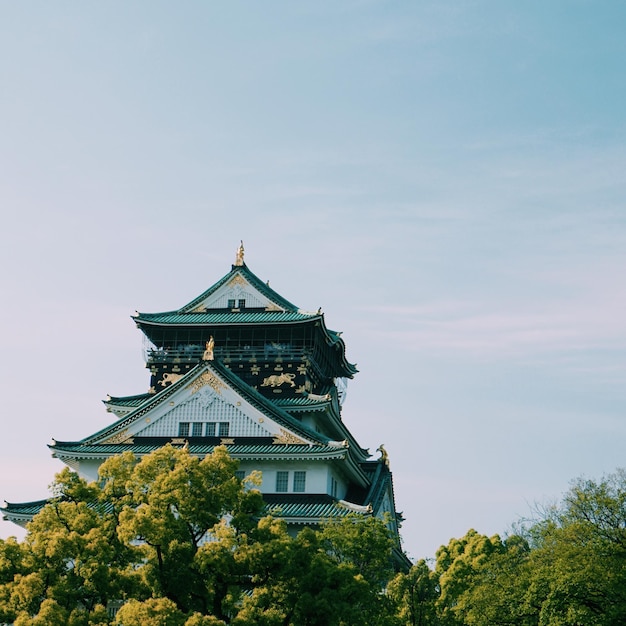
(302, 509)
(242, 271)
(241, 299)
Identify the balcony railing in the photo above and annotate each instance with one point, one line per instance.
(193, 353)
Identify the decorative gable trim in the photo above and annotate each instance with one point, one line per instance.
(208, 394)
(207, 379)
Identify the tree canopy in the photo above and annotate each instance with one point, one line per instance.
(565, 568)
(174, 540)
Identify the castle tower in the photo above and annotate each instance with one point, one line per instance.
(243, 367)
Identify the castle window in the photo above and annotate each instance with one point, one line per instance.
(224, 428)
(241, 304)
(210, 429)
(196, 429)
(240, 474)
(231, 304)
(183, 429)
(282, 481)
(333, 487)
(299, 481)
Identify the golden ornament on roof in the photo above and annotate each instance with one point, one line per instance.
(239, 257)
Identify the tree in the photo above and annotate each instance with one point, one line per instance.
(178, 541)
(415, 594)
(173, 500)
(567, 568)
(578, 558)
(321, 578)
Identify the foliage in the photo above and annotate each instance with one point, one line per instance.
(178, 541)
(415, 595)
(567, 568)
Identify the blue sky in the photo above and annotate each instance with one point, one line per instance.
(445, 179)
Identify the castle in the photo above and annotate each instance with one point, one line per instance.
(243, 367)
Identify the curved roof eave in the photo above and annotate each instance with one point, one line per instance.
(334, 340)
(221, 318)
(128, 401)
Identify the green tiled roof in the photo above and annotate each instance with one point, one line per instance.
(77, 448)
(253, 279)
(304, 508)
(23, 508)
(129, 401)
(307, 509)
(213, 318)
(300, 402)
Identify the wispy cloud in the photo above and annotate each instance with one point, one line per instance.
(481, 331)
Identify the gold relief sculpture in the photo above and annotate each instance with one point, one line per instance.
(239, 256)
(286, 438)
(300, 389)
(301, 369)
(255, 369)
(273, 307)
(199, 309)
(227, 442)
(208, 352)
(237, 280)
(169, 378)
(179, 441)
(207, 379)
(276, 380)
(121, 437)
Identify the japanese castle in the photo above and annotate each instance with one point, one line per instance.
(243, 367)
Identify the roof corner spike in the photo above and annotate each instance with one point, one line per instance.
(239, 256)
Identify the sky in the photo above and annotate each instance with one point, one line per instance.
(444, 178)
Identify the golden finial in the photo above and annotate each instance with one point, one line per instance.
(239, 257)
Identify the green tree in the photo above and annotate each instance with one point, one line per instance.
(322, 578)
(71, 563)
(178, 541)
(567, 568)
(579, 556)
(173, 500)
(415, 595)
(151, 612)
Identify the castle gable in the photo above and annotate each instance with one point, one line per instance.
(206, 403)
(237, 293)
